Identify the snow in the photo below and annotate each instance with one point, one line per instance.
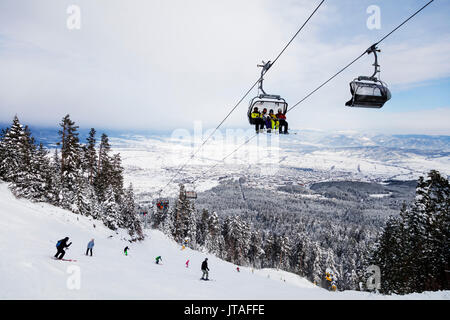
(380, 195)
(29, 232)
(150, 162)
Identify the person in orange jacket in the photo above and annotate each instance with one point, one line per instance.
(282, 122)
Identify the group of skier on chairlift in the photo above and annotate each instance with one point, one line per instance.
(270, 121)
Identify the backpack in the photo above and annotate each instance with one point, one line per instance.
(58, 243)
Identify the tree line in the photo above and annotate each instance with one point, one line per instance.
(412, 249)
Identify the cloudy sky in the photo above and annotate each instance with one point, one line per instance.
(148, 64)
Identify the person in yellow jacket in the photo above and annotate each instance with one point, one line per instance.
(257, 120)
(274, 120)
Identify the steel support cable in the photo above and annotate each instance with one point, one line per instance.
(230, 154)
(347, 66)
(245, 95)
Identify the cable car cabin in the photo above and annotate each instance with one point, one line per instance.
(190, 195)
(368, 92)
(266, 101)
(162, 205)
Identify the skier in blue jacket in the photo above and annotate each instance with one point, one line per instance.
(90, 245)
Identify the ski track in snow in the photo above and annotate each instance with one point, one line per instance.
(29, 232)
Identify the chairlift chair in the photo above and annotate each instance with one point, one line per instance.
(369, 92)
(264, 100)
(162, 205)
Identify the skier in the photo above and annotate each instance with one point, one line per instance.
(126, 250)
(205, 269)
(157, 259)
(187, 264)
(274, 120)
(257, 120)
(266, 120)
(283, 123)
(90, 245)
(61, 245)
(238, 270)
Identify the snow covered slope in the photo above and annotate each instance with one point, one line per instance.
(29, 231)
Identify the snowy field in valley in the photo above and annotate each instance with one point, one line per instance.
(29, 232)
(300, 158)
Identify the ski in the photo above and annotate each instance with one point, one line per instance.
(70, 260)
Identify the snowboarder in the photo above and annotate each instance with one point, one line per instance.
(205, 269)
(187, 264)
(90, 245)
(125, 251)
(157, 259)
(60, 246)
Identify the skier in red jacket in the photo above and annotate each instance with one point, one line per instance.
(282, 121)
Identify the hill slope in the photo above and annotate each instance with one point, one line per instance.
(29, 231)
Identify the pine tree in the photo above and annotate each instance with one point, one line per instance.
(129, 218)
(116, 176)
(39, 183)
(90, 156)
(15, 152)
(110, 210)
(255, 251)
(104, 168)
(55, 197)
(214, 241)
(413, 250)
(3, 154)
(184, 219)
(25, 174)
(70, 161)
(202, 227)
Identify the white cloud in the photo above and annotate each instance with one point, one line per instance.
(150, 64)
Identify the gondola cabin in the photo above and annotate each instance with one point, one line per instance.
(368, 92)
(190, 195)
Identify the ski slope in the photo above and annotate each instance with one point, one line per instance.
(29, 232)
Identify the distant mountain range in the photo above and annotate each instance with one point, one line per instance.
(315, 139)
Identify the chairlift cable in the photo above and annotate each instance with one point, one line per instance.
(302, 100)
(231, 153)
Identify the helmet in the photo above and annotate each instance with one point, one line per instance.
(279, 110)
(271, 111)
(255, 109)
